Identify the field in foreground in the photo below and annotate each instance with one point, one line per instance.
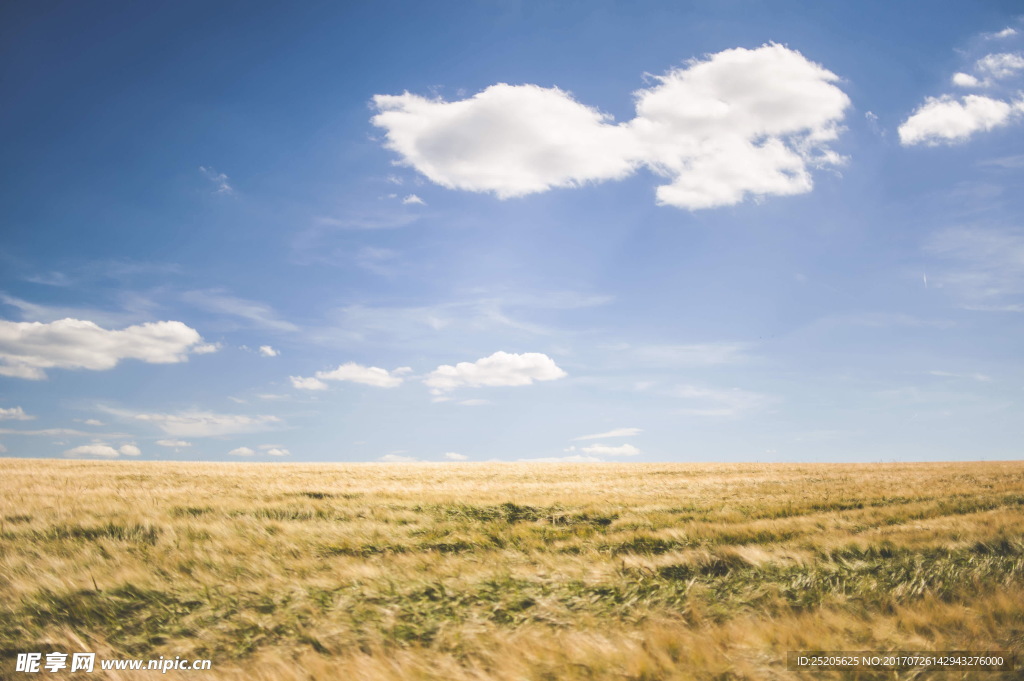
(507, 571)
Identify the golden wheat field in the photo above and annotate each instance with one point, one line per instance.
(510, 572)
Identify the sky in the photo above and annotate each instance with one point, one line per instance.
(512, 231)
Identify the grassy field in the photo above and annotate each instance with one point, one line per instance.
(508, 571)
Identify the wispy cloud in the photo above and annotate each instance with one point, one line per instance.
(982, 268)
(615, 432)
(219, 180)
(196, 423)
(575, 458)
(719, 402)
(258, 314)
(599, 449)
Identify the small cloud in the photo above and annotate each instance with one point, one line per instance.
(394, 179)
(241, 451)
(220, 180)
(206, 348)
(609, 450)
(356, 373)
(174, 443)
(14, 414)
(396, 458)
(412, 198)
(455, 456)
(965, 80)
(615, 432)
(984, 378)
(304, 383)
(274, 450)
(129, 450)
(267, 351)
(90, 422)
(575, 458)
(103, 451)
(1005, 33)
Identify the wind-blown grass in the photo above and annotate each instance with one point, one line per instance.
(504, 571)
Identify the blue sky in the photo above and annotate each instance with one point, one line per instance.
(581, 231)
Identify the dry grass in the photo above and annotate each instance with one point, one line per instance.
(508, 572)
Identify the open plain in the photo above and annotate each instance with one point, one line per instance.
(508, 571)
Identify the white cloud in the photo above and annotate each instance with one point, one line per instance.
(105, 451)
(500, 369)
(396, 458)
(412, 198)
(274, 450)
(1005, 33)
(92, 422)
(206, 349)
(575, 458)
(615, 432)
(719, 402)
(174, 443)
(947, 120)
(267, 351)
(204, 423)
(129, 450)
(738, 123)
(59, 432)
(455, 456)
(220, 180)
(304, 383)
(357, 373)
(14, 414)
(1000, 66)
(27, 348)
(607, 450)
(241, 451)
(965, 80)
(984, 378)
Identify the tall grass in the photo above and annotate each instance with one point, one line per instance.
(506, 571)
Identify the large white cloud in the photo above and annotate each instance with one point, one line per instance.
(738, 123)
(509, 139)
(28, 348)
(500, 369)
(947, 119)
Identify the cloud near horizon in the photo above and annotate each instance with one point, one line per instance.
(740, 123)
